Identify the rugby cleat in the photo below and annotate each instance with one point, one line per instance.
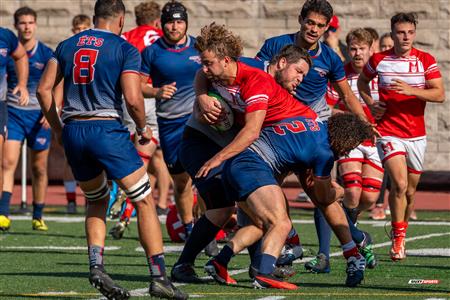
(289, 254)
(163, 288)
(106, 286)
(269, 281)
(5, 223)
(355, 270)
(117, 205)
(39, 224)
(219, 272)
(118, 229)
(320, 264)
(185, 273)
(366, 250)
(397, 251)
(281, 272)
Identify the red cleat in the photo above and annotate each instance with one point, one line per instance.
(219, 272)
(269, 281)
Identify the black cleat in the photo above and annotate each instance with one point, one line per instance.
(102, 282)
(185, 273)
(355, 270)
(163, 288)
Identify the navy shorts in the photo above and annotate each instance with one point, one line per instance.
(3, 119)
(26, 124)
(170, 136)
(95, 146)
(196, 149)
(247, 172)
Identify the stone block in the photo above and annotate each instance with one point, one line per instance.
(444, 148)
(280, 9)
(437, 162)
(424, 9)
(223, 9)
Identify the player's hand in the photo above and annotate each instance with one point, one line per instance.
(210, 109)
(214, 162)
(166, 91)
(22, 91)
(378, 109)
(331, 39)
(402, 87)
(144, 135)
(44, 123)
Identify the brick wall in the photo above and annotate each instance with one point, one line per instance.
(256, 20)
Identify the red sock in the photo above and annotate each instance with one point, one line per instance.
(295, 240)
(399, 228)
(128, 212)
(71, 196)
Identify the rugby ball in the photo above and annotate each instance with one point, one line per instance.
(227, 118)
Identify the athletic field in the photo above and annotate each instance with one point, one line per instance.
(53, 264)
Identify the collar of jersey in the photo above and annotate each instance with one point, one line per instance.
(176, 48)
(33, 51)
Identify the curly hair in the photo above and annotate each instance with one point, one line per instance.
(346, 131)
(147, 12)
(220, 40)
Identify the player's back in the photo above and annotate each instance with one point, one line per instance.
(92, 63)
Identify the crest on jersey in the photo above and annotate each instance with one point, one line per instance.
(413, 66)
(41, 140)
(38, 65)
(322, 72)
(3, 52)
(196, 58)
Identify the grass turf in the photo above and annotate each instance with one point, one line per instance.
(52, 273)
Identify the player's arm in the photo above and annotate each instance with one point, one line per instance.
(20, 58)
(49, 80)
(131, 88)
(209, 107)
(377, 108)
(347, 96)
(246, 136)
(434, 91)
(162, 93)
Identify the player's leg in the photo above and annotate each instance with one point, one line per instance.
(351, 172)
(414, 160)
(39, 173)
(372, 180)
(163, 180)
(11, 155)
(5, 222)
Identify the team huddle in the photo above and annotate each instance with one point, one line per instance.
(231, 126)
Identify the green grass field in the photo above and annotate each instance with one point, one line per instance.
(53, 264)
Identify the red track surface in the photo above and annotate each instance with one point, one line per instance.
(424, 200)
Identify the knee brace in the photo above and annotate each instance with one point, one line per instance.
(99, 193)
(140, 190)
(371, 184)
(352, 179)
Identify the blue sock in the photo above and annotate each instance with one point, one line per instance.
(357, 235)
(323, 232)
(255, 253)
(188, 229)
(4, 203)
(202, 234)
(267, 264)
(95, 256)
(225, 255)
(37, 210)
(157, 265)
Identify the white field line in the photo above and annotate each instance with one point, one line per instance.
(272, 298)
(68, 248)
(144, 292)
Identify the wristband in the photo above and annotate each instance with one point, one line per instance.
(139, 131)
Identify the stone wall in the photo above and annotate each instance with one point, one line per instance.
(256, 20)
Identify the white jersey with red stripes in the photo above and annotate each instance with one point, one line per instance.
(404, 116)
(352, 78)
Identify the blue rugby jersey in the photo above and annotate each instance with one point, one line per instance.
(92, 62)
(37, 60)
(327, 66)
(165, 64)
(8, 44)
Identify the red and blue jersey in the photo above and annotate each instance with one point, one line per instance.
(8, 44)
(327, 66)
(254, 89)
(92, 63)
(165, 64)
(37, 60)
